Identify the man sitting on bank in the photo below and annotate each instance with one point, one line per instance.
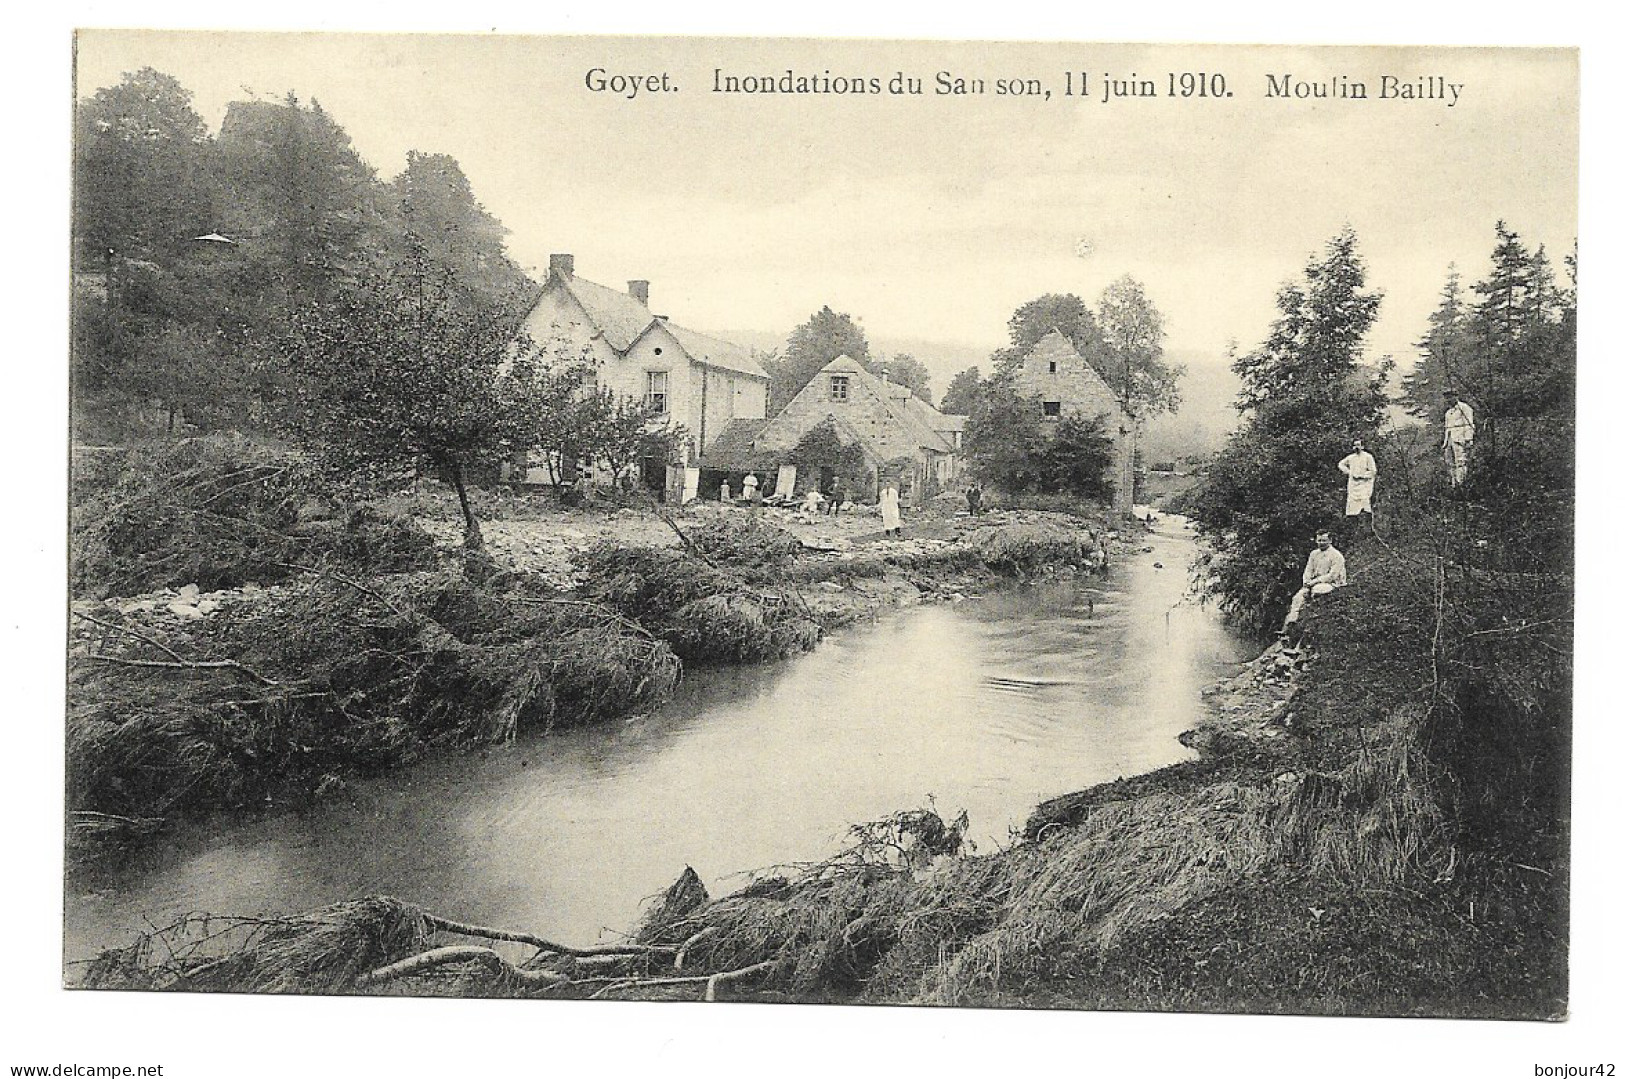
(1324, 573)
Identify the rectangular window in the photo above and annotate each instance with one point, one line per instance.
(1052, 409)
(1052, 367)
(655, 394)
(839, 387)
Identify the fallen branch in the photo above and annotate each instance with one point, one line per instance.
(466, 930)
(142, 637)
(682, 952)
(688, 544)
(342, 579)
(188, 665)
(439, 957)
(710, 981)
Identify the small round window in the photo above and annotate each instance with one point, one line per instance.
(658, 350)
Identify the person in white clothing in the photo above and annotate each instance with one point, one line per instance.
(1324, 572)
(1361, 469)
(891, 513)
(1458, 438)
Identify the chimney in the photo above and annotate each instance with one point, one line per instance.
(560, 266)
(639, 291)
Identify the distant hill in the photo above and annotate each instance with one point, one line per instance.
(1206, 413)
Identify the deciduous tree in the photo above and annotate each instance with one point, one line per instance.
(1132, 329)
(964, 393)
(823, 337)
(401, 371)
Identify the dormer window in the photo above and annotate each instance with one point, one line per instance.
(840, 387)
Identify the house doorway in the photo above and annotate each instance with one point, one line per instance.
(652, 474)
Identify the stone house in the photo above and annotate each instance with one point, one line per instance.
(1065, 384)
(697, 380)
(900, 436)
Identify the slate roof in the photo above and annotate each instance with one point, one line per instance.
(715, 352)
(733, 448)
(616, 315)
(622, 319)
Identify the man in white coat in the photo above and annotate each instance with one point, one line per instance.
(1458, 439)
(1361, 469)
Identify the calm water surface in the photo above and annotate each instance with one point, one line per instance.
(989, 705)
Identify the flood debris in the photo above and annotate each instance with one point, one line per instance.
(278, 698)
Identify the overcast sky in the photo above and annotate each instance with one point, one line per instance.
(934, 217)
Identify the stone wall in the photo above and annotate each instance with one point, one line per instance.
(1054, 372)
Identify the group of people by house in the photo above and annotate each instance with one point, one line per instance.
(1326, 569)
(813, 501)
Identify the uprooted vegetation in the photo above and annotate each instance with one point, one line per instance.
(329, 677)
(220, 512)
(905, 914)
(708, 611)
(299, 637)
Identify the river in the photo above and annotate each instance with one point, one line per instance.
(990, 705)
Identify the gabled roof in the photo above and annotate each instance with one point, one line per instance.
(937, 421)
(616, 315)
(623, 319)
(913, 414)
(715, 352)
(1054, 346)
(734, 446)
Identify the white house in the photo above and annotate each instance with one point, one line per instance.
(699, 381)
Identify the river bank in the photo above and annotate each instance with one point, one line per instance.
(260, 698)
(1361, 834)
(1313, 860)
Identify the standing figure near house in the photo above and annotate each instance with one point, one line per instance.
(891, 514)
(835, 496)
(1324, 572)
(1361, 469)
(727, 492)
(750, 489)
(973, 498)
(1458, 438)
